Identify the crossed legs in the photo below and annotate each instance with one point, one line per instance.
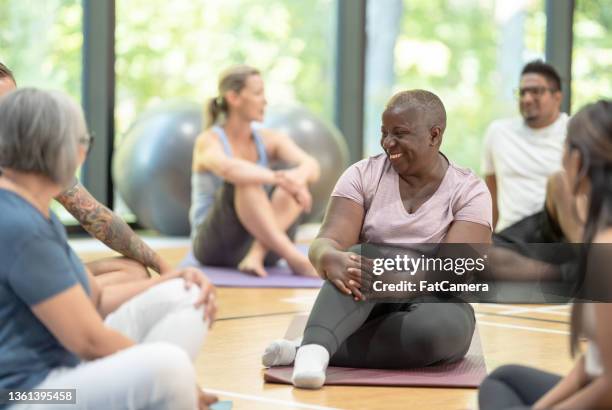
(156, 373)
(115, 270)
(267, 220)
(343, 332)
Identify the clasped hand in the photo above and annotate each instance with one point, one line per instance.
(349, 272)
(294, 183)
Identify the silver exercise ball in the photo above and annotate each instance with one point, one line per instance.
(152, 166)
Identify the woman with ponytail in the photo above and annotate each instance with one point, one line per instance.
(588, 165)
(241, 210)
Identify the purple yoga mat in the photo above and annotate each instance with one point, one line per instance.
(278, 277)
(469, 372)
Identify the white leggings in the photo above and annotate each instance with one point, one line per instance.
(157, 373)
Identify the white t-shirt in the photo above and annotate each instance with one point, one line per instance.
(522, 158)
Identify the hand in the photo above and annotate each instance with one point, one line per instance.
(204, 399)
(208, 293)
(348, 271)
(294, 183)
(304, 199)
(298, 174)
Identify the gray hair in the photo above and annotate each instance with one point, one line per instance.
(426, 101)
(40, 132)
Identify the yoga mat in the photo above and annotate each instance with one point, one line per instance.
(279, 276)
(468, 372)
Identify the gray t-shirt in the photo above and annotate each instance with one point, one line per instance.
(36, 263)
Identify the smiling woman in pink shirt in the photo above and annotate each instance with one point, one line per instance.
(410, 194)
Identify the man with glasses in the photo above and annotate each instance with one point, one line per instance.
(103, 224)
(522, 153)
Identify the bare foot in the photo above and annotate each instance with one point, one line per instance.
(302, 266)
(253, 265)
(205, 399)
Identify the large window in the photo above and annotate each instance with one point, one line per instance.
(176, 49)
(468, 52)
(41, 41)
(592, 54)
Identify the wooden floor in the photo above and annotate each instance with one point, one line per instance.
(229, 363)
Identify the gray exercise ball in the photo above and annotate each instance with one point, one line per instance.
(321, 140)
(152, 165)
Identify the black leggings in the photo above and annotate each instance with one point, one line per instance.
(514, 387)
(388, 335)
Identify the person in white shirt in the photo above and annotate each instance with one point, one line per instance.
(522, 153)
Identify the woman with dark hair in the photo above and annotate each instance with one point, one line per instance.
(588, 165)
(241, 210)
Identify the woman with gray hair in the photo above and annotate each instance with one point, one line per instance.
(123, 346)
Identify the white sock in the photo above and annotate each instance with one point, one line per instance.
(309, 368)
(280, 352)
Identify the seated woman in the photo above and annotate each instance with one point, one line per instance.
(411, 194)
(588, 168)
(126, 345)
(236, 198)
(104, 225)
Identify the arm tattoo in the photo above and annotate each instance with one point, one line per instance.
(106, 226)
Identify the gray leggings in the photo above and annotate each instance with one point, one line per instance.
(388, 335)
(514, 387)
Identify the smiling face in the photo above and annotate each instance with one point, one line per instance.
(407, 139)
(539, 100)
(250, 102)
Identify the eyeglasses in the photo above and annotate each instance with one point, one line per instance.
(87, 141)
(535, 92)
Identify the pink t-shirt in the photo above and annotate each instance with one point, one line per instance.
(374, 184)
